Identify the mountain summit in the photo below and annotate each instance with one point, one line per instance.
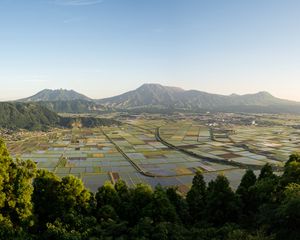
(146, 95)
(158, 96)
(155, 97)
(55, 95)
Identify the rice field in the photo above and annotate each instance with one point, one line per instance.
(133, 152)
(249, 145)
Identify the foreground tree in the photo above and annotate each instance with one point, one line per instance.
(57, 200)
(141, 196)
(39, 205)
(160, 208)
(287, 218)
(295, 157)
(266, 172)
(15, 190)
(196, 197)
(180, 205)
(45, 198)
(222, 205)
(291, 171)
(246, 198)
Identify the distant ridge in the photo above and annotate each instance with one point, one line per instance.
(163, 97)
(55, 95)
(158, 98)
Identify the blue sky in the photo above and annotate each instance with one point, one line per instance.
(103, 48)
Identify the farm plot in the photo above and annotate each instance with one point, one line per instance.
(91, 156)
(179, 135)
(153, 157)
(131, 152)
(276, 142)
(86, 154)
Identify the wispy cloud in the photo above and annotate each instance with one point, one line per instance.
(77, 2)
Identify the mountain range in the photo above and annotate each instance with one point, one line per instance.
(55, 95)
(158, 97)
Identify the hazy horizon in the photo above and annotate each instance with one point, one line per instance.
(103, 48)
(69, 89)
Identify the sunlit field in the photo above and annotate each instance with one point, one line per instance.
(161, 151)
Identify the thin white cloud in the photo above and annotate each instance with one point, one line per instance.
(77, 2)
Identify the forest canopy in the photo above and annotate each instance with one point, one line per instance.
(33, 116)
(36, 204)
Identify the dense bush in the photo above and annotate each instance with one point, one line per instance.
(35, 204)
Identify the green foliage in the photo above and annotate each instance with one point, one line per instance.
(264, 191)
(246, 198)
(15, 190)
(35, 116)
(222, 205)
(140, 197)
(72, 195)
(45, 197)
(54, 197)
(180, 204)
(107, 195)
(196, 198)
(39, 205)
(240, 234)
(295, 157)
(247, 181)
(291, 171)
(266, 172)
(288, 213)
(74, 106)
(31, 116)
(160, 208)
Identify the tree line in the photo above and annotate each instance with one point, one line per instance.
(35, 117)
(36, 204)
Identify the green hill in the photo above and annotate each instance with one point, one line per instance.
(29, 116)
(74, 106)
(33, 116)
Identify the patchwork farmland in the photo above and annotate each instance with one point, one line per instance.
(160, 151)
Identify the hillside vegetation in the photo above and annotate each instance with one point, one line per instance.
(74, 106)
(29, 116)
(33, 116)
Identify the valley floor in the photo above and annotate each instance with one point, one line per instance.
(161, 150)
